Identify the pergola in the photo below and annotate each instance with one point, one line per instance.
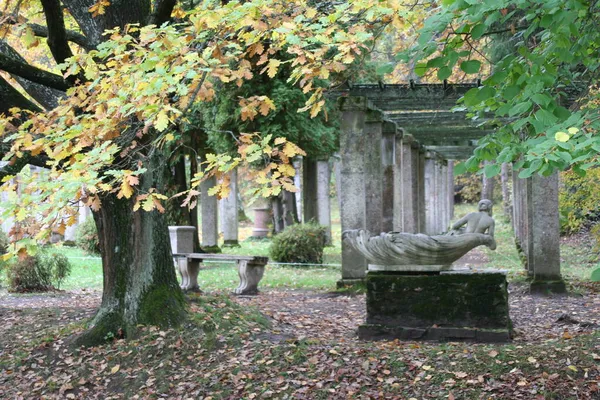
(396, 142)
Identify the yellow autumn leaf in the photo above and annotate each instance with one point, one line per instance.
(279, 141)
(126, 190)
(561, 136)
(115, 369)
(162, 121)
(272, 67)
(266, 105)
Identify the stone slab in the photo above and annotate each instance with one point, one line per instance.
(409, 268)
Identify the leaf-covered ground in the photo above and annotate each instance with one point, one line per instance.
(296, 344)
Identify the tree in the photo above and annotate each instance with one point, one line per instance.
(542, 88)
(127, 97)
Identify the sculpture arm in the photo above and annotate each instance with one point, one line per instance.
(491, 228)
(460, 222)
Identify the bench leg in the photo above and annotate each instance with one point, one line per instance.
(193, 268)
(181, 264)
(250, 274)
(189, 274)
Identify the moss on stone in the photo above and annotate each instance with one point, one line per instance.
(459, 300)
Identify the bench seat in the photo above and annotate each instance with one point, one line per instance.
(250, 270)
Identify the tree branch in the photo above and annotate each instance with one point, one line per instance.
(32, 73)
(57, 34)
(161, 12)
(44, 95)
(42, 31)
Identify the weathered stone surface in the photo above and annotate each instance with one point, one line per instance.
(323, 198)
(210, 222)
(352, 180)
(229, 212)
(462, 306)
(544, 233)
(310, 206)
(397, 249)
(262, 217)
(182, 239)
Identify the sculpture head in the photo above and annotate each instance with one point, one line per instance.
(485, 205)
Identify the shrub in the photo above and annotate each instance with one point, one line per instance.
(37, 273)
(579, 199)
(301, 243)
(86, 237)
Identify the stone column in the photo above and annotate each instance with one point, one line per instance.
(373, 171)
(388, 160)
(309, 190)
(406, 185)
(421, 187)
(229, 212)
(210, 221)
(443, 196)
(430, 196)
(544, 235)
(450, 190)
(323, 199)
(298, 183)
(352, 181)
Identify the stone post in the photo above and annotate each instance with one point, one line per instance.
(373, 171)
(229, 212)
(298, 183)
(443, 196)
(210, 221)
(406, 185)
(421, 186)
(388, 159)
(262, 216)
(430, 195)
(544, 235)
(352, 180)
(323, 198)
(450, 190)
(309, 190)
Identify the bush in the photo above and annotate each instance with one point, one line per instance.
(86, 237)
(41, 272)
(579, 200)
(4, 242)
(301, 243)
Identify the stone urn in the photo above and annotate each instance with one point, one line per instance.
(262, 217)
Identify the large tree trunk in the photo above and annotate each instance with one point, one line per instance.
(506, 199)
(140, 286)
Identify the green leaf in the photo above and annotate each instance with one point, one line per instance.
(387, 68)
(444, 73)
(470, 66)
(485, 93)
(460, 169)
(525, 173)
(546, 117)
(596, 275)
(491, 170)
(520, 108)
(478, 31)
(420, 69)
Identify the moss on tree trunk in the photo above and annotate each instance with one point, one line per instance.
(140, 286)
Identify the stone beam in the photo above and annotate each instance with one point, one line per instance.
(410, 96)
(453, 152)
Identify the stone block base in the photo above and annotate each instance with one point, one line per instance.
(547, 287)
(381, 332)
(453, 305)
(231, 243)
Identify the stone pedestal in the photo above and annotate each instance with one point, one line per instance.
(182, 239)
(250, 274)
(261, 222)
(445, 306)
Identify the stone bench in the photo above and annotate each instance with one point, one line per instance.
(250, 270)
